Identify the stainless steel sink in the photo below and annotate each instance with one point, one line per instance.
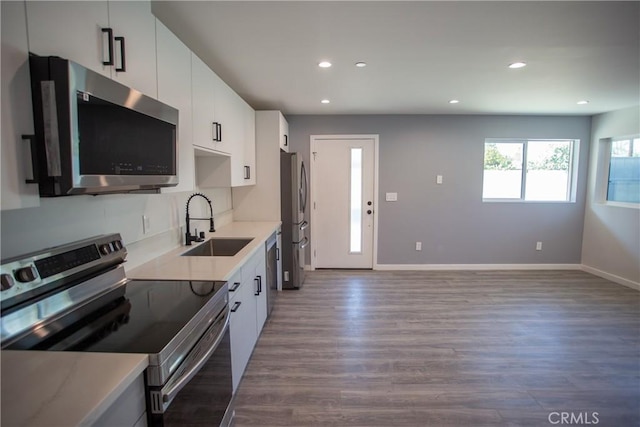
(218, 247)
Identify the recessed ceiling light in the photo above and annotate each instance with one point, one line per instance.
(454, 101)
(361, 64)
(325, 101)
(583, 102)
(518, 65)
(324, 64)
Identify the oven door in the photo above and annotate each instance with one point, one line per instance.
(200, 391)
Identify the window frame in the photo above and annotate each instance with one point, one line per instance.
(572, 171)
(602, 177)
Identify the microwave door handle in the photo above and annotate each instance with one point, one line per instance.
(34, 158)
(169, 394)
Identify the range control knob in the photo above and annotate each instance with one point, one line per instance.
(105, 249)
(26, 274)
(6, 282)
(117, 245)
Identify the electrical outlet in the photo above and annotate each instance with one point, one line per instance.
(391, 197)
(418, 246)
(438, 179)
(538, 246)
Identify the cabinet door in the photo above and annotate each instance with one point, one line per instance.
(202, 92)
(243, 153)
(71, 30)
(16, 114)
(174, 88)
(134, 21)
(242, 329)
(249, 116)
(228, 112)
(284, 133)
(261, 298)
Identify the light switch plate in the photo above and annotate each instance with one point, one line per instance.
(391, 197)
(438, 179)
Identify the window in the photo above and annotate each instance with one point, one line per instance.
(355, 213)
(623, 184)
(529, 170)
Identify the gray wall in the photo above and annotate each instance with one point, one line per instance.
(451, 220)
(611, 233)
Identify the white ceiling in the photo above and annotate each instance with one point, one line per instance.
(420, 54)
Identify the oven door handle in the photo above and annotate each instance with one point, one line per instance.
(169, 392)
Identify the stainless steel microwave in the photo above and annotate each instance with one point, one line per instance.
(93, 135)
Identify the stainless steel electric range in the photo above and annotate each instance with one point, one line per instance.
(76, 297)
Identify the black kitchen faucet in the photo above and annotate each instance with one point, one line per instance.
(195, 238)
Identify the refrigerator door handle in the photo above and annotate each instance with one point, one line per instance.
(302, 243)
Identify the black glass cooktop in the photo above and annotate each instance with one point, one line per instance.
(138, 317)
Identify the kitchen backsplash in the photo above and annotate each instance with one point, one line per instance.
(66, 219)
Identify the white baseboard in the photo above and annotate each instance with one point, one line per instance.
(453, 267)
(617, 279)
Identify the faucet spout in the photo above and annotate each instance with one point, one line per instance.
(188, 237)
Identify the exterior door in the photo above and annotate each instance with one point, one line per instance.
(342, 178)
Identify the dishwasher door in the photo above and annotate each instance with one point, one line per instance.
(272, 271)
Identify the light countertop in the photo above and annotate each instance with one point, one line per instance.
(57, 388)
(50, 388)
(172, 266)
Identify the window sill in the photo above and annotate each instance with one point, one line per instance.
(554, 202)
(620, 204)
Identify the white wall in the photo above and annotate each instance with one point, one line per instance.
(611, 238)
(66, 219)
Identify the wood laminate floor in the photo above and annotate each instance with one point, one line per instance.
(365, 348)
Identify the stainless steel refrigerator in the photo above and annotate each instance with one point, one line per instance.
(293, 189)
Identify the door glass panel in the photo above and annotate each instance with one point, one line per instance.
(355, 214)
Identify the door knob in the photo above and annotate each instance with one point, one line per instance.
(369, 203)
(369, 211)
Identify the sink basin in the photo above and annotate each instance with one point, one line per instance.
(218, 247)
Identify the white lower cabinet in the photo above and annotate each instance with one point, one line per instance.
(129, 408)
(248, 302)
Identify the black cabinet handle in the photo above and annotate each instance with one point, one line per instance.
(277, 254)
(217, 132)
(236, 306)
(235, 287)
(247, 172)
(109, 32)
(286, 140)
(34, 158)
(257, 286)
(123, 66)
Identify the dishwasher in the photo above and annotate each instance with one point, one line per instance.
(272, 256)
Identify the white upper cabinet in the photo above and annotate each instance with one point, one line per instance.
(205, 128)
(228, 113)
(223, 125)
(133, 22)
(249, 156)
(102, 36)
(17, 116)
(284, 133)
(174, 88)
